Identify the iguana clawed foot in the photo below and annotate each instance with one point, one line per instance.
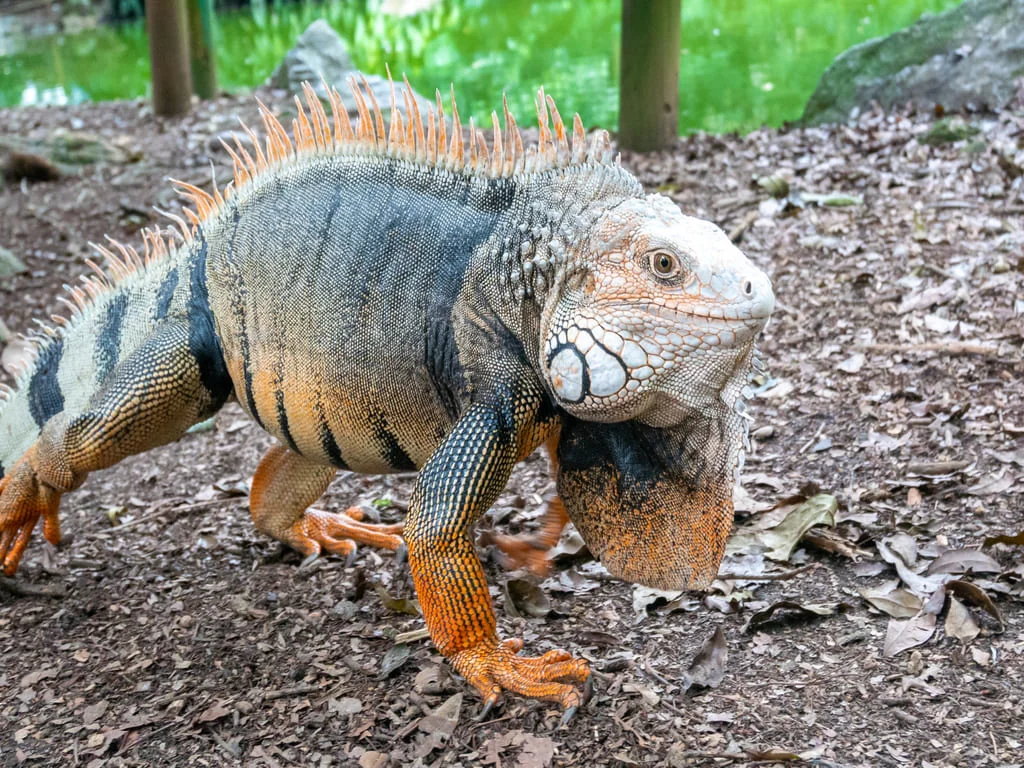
(530, 551)
(319, 531)
(23, 500)
(493, 669)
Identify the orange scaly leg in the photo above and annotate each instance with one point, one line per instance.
(24, 498)
(460, 481)
(283, 488)
(530, 551)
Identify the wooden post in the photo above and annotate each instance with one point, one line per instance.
(201, 49)
(167, 29)
(649, 76)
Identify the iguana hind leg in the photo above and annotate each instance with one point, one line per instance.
(531, 551)
(152, 397)
(283, 488)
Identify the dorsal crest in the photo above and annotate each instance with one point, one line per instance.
(410, 135)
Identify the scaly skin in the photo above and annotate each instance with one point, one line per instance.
(384, 303)
(285, 485)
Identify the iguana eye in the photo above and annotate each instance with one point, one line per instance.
(664, 264)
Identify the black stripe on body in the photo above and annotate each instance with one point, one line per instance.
(108, 343)
(387, 443)
(238, 308)
(202, 338)
(327, 440)
(282, 417)
(45, 400)
(165, 294)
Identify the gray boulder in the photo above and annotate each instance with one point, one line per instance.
(319, 51)
(968, 57)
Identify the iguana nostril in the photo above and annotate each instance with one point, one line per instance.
(748, 288)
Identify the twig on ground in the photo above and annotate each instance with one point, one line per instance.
(946, 347)
(413, 635)
(24, 589)
(743, 757)
(164, 510)
(298, 690)
(736, 233)
(806, 446)
(936, 467)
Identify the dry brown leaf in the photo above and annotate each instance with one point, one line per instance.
(1001, 483)
(790, 610)
(708, 667)
(898, 603)
(395, 657)
(972, 593)
(524, 598)
(1016, 539)
(778, 540)
(374, 760)
(904, 634)
(215, 711)
(959, 622)
(47, 673)
(853, 363)
(905, 546)
(442, 721)
(963, 561)
(346, 705)
(94, 712)
(667, 600)
(409, 605)
(918, 584)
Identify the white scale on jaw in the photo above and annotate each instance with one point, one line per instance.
(610, 366)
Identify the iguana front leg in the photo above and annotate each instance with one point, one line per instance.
(285, 485)
(459, 482)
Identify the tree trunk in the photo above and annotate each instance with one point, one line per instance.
(649, 77)
(167, 28)
(201, 49)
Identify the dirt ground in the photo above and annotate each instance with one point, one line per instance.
(179, 636)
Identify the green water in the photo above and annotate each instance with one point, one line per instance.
(744, 62)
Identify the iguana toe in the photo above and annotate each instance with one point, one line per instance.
(338, 534)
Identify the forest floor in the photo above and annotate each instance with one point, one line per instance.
(177, 635)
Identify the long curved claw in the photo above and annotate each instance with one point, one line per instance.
(309, 559)
(490, 703)
(588, 691)
(492, 669)
(568, 715)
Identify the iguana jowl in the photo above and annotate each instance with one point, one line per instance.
(394, 300)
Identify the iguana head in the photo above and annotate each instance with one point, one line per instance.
(655, 316)
(651, 330)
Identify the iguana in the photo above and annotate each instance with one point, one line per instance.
(385, 300)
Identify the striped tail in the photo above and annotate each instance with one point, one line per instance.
(112, 312)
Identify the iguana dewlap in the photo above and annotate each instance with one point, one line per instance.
(388, 300)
